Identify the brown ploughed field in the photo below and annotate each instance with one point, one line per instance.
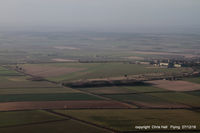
(9, 106)
(175, 85)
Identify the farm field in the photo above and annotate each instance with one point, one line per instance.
(25, 117)
(175, 85)
(126, 120)
(41, 121)
(193, 80)
(160, 99)
(21, 88)
(55, 127)
(21, 85)
(23, 82)
(46, 97)
(180, 97)
(70, 104)
(143, 88)
(37, 90)
(196, 93)
(146, 101)
(91, 70)
(6, 72)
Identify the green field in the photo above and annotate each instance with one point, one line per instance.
(46, 97)
(25, 117)
(126, 120)
(26, 84)
(22, 85)
(195, 93)
(194, 80)
(191, 99)
(23, 82)
(2, 68)
(70, 126)
(142, 98)
(179, 97)
(40, 122)
(6, 72)
(122, 89)
(104, 70)
(37, 90)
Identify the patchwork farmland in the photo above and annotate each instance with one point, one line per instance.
(58, 82)
(37, 90)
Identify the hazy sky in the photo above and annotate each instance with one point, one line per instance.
(100, 15)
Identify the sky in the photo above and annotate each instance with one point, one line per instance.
(100, 15)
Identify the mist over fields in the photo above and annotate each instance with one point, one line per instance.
(20, 47)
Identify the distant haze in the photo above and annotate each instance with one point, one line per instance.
(101, 15)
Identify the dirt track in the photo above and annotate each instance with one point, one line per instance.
(101, 104)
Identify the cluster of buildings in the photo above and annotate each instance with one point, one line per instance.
(163, 63)
(168, 64)
(172, 63)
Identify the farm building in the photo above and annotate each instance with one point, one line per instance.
(164, 64)
(177, 65)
